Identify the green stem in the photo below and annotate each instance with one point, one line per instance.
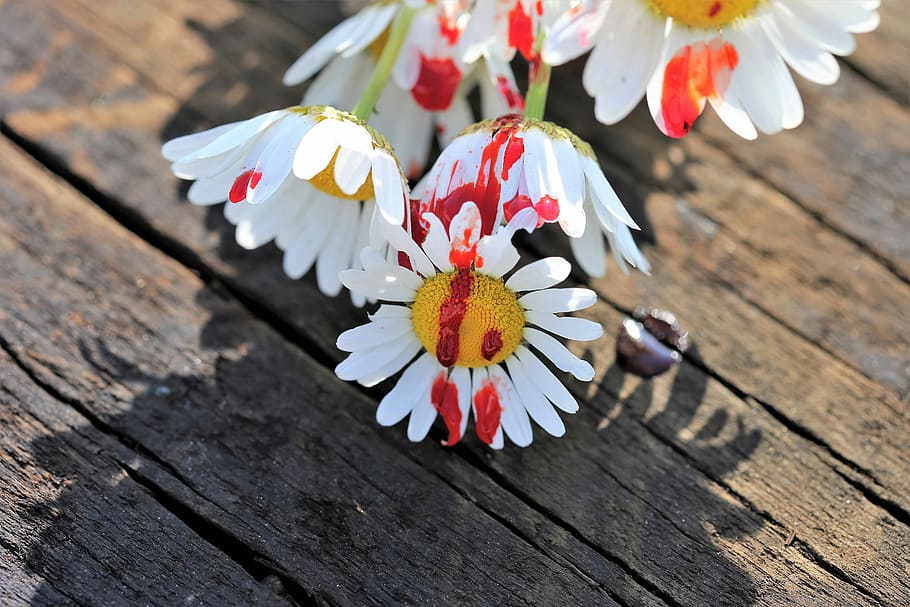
(539, 85)
(400, 26)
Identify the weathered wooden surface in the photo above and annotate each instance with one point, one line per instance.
(170, 399)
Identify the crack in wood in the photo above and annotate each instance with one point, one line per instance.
(258, 566)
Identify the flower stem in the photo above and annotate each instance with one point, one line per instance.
(375, 86)
(538, 86)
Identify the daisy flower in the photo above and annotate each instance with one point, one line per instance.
(513, 163)
(471, 331)
(431, 78)
(730, 53)
(298, 176)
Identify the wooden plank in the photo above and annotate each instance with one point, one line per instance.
(882, 55)
(760, 371)
(325, 494)
(75, 528)
(695, 477)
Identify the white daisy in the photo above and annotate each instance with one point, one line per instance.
(512, 163)
(431, 80)
(731, 53)
(298, 176)
(473, 329)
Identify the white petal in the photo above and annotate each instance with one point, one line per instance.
(389, 189)
(821, 27)
(410, 387)
(391, 365)
(589, 250)
(274, 164)
(374, 333)
(514, 421)
(316, 149)
(461, 377)
(239, 135)
(574, 33)
(537, 406)
(337, 250)
(627, 54)
(541, 274)
(579, 329)
(558, 300)
(798, 48)
(365, 362)
(605, 200)
(187, 145)
(545, 381)
(392, 285)
(436, 244)
(213, 189)
(571, 212)
(304, 246)
(403, 242)
(559, 354)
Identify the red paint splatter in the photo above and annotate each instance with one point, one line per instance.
(451, 314)
(521, 30)
(448, 29)
(694, 74)
(487, 413)
(246, 180)
(491, 344)
(547, 208)
(539, 7)
(444, 396)
(485, 189)
(414, 169)
(461, 257)
(437, 82)
(512, 97)
(715, 8)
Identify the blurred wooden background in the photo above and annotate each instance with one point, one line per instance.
(172, 431)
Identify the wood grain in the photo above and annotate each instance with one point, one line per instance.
(680, 491)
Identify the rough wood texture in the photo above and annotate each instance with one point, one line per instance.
(215, 396)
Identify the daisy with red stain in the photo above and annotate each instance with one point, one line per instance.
(470, 330)
(732, 54)
(431, 79)
(515, 163)
(307, 177)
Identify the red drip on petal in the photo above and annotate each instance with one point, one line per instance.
(487, 413)
(696, 73)
(444, 396)
(247, 180)
(521, 30)
(451, 315)
(512, 97)
(547, 208)
(437, 82)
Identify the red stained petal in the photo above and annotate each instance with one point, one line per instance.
(444, 396)
(521, 30)
(512, 97)
(487, 413)
(436, 83)
(246, 180)
(695, 73)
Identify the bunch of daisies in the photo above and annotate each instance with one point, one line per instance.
(470, 332)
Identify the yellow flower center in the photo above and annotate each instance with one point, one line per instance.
(708, 14)
(325, 181)
(467, 319)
